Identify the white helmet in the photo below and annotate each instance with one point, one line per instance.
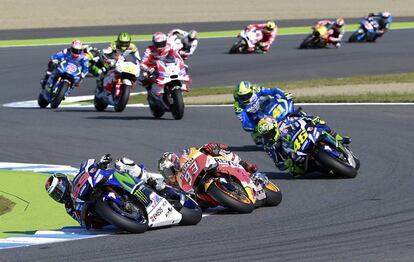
(126, 165)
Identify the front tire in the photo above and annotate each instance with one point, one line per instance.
(237, 47)
(238, 203)
(332, 164)
(177, 108)
(121, 101)
(190, 216)
(58, 97)
(353, 37)
(106, 212)
(308, 42)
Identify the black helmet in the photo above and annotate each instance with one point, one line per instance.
(58, 187)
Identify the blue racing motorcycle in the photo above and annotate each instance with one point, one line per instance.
(60, 84)
(368, 30)
(129, 204)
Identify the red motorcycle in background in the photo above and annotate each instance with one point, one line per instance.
(216, 181)
(171, 79)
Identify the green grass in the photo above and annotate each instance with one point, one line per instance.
(5, 205)
(226, 33)
(291, 86)
(34, 209)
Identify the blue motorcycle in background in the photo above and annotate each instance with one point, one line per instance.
(277, 107)
(368, 30)
(129, 204)
(60, 84)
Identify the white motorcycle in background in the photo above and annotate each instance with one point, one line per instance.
(248, 38)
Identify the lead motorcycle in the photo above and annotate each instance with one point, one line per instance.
(323, 153)
(216, 181)
(247, 38)
(117, 85)
(368, 26)
(171, 78)
(126, 202)
(63, 78)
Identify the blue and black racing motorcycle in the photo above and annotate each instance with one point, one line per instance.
(62, 81)
(129, 204)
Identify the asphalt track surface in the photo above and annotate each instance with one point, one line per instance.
(369, 218)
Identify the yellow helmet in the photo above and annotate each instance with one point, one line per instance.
(270, 26)
(244, 91)
(268, 128)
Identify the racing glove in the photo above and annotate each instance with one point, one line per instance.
(317, 120)
(214, 148)
(249, 167)
(104, 161)
(259, 177)
(288, 95)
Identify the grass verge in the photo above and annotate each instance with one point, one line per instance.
(34, 209)
(5, 205)
(293, 85)
(227, 33)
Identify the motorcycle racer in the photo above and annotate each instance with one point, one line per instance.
(159, 50)
(63, 190)
(170, 167)
(248, 102)
(380, 21)
(335, 29)
(73, 54)
(96, 65)
(269, 31)
(277, 136)
(185, 42)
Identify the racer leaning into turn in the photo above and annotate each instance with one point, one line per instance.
(382, 20)
(249, 101)
(184, 42)
(269, 31)
(62, 189)
(75, 55)
(159, 50)
(121, 47)
(335, 30)
(169, 165)
(277, 137)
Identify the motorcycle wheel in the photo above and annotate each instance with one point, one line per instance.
(235, 201)
(121, 101)
(237, 47)
(190, 216)
(42, 102)
(308, 42)
(335, 165)
(156, 110)
(273, 195)
(99, 104)
(58, 97)
(177, 108)
(353, 37)
(120, 218)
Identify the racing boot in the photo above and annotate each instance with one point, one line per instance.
(258, 139)
(43, 81)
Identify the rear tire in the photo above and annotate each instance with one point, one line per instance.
(177, 108)
(333, 164)
(42, 102)
(108, 214)
(273, 195)
(224, 198)
(121, 102)
(99, 105)
(57, 99)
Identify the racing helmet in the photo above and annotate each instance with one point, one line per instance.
(169, 165)
(244, 91)
(159, 40)
(340, 22)
(58, 187)
(123, 41)
(268, 128)
(385, 14)
(270, 26)
(192, 35)
(76, 48)
(127, 165)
